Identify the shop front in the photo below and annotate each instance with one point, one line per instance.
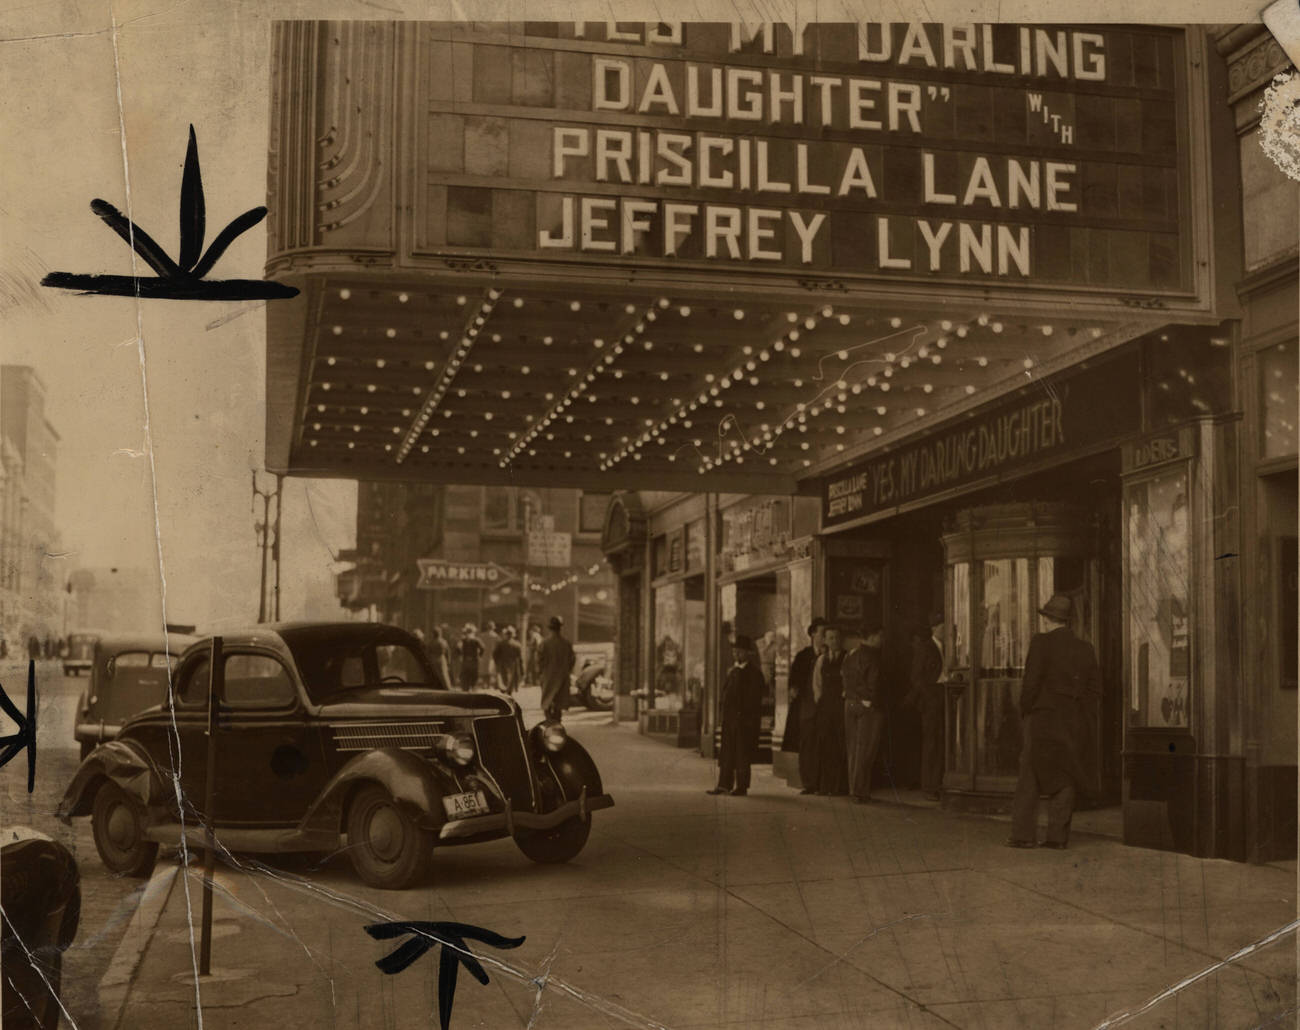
(1105, 483)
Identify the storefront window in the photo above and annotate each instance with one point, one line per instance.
(1004, 617)
(1279, 391)
(1159, 619)
(694, 629)
(961, 615)
(669, 638)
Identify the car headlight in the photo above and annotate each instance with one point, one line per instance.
(458, 748)
(553, 736)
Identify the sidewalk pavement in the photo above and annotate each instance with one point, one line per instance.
(773, 911)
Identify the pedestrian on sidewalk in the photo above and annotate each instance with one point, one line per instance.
(532, 674)
(555, 661)
(436, 648)
(1061, 687)
(487, 663)
(741, 714)
(800, 680)
(926, 696)
(509, 660)
(831, 761)
(864, 719)
(468, 652)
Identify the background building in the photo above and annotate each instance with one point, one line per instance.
(544, 543)
(114, 599)
(31, 574)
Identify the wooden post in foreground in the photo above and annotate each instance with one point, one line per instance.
(216, 680)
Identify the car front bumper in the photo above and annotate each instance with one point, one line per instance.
(507, 822)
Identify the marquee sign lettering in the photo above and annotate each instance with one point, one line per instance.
(1071, 415)
(968, 152)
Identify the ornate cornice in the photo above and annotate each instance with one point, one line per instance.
(1254, 62)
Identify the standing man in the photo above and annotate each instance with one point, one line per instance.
(469, 651)
(438, 655)
(801, 706)
(532, 673)
(509, 660)
(486, 668)
(741, 714)
(863, 718)
(926, 696)
(828, 720)
(555, 660)
(1062, 685)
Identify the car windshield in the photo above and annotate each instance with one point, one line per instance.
(330, 668)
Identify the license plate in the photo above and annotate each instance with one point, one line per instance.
(459, 806)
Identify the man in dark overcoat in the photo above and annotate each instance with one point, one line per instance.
(800, 680)
(1062, 685)
(926, 696)
(864, 719)
(828, 736)
(741, 714)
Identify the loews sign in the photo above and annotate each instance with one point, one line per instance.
(1059, 419)
(971, 152)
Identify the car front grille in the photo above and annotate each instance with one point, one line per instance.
(408, 735)
(504, 756)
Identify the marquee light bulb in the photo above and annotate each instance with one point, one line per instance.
(1047, 330)
(795, 352)
(698, 348)
(845, 319)
(895, 322)
(996, 327)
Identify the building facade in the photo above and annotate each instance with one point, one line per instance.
(535, 552)
(850, 320)
(31, 580)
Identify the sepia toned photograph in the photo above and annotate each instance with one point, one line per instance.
(703, 523)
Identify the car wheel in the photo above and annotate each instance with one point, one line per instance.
(118, 824)
(556, 845)
(595, 703)
(387, 848)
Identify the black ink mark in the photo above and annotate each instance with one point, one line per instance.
(455, 953)
(1225, 554)
(26, 735)
(183, 280)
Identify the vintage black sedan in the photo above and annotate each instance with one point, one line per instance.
(334, 736)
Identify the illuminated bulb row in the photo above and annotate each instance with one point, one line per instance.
(745, 371)
(609, 353)
(473, 327)
(560, 584)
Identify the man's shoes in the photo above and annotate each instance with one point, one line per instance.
(1013, 843)
(1055, 845)
(739, 792)
(718, 790)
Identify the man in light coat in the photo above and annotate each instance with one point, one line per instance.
(555, 661)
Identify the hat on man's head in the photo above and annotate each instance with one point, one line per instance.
(469, 628)
(937, 619)
(742, 644)
(556, 622)
(1058, 609)
(815, 625)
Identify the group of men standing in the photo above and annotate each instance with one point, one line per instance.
(836, 716)
(498, 660)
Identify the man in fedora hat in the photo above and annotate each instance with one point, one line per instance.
(863, 717)
(555, 662)
(926, 696)
(800, 680)
(741, 713)
(1061, 686)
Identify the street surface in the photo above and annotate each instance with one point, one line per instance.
(771, 911)
(107, 902)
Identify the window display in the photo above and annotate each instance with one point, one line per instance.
(1159, 614)
(1004, 617)
(668, 637)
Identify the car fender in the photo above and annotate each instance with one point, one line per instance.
(414, 782)
(118, 761)
(572, 766)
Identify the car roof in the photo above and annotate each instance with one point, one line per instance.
(305, 634)
(116, 643)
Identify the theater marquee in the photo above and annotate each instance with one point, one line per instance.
(969, 153)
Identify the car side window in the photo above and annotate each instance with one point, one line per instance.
(194, 686)
(257, 681)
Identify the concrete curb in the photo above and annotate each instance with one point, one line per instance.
(117, 981)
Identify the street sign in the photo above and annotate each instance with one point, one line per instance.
(437, 574)
(550, 549)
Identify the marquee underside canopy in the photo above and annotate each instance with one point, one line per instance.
(370, 377)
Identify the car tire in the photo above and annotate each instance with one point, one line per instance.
(388, 850)
(118, 824)
(558, 844)
(594, 704)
